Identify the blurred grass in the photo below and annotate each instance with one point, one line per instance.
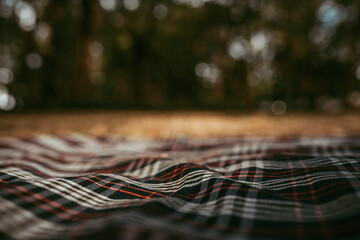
(154, 124)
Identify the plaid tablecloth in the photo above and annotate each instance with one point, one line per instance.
(85, 187)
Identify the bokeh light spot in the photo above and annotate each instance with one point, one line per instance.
(42, 33)
(96, 49)
(278, 107)
(26, 15)
(209, 73)
(131, 5)
(6, 75)
(258, 41)
(7, 101)
(202, 69)
(108, 5)
(34, 60)
(239, 48)
(160, 11)
(196, 3)
(331, 14)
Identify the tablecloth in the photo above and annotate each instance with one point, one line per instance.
(110, 187)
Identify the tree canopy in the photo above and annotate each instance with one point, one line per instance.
(214, 54)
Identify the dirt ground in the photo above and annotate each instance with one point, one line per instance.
(150, 124)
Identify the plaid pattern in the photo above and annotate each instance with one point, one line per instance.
(83, 187)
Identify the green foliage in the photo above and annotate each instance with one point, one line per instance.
(228, 54)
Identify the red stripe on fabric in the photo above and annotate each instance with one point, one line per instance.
(116, 189)
(299, 170)
(173, 173)
(300, 230)
(181, 175)
(317, 192)
(213, 191)
(49, 205)
(324, 228)
(123, 185)
(260, 176)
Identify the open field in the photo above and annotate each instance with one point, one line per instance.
(150, 124)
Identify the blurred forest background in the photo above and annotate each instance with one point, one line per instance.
(269, 56)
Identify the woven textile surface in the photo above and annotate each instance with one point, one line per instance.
(86, 187)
